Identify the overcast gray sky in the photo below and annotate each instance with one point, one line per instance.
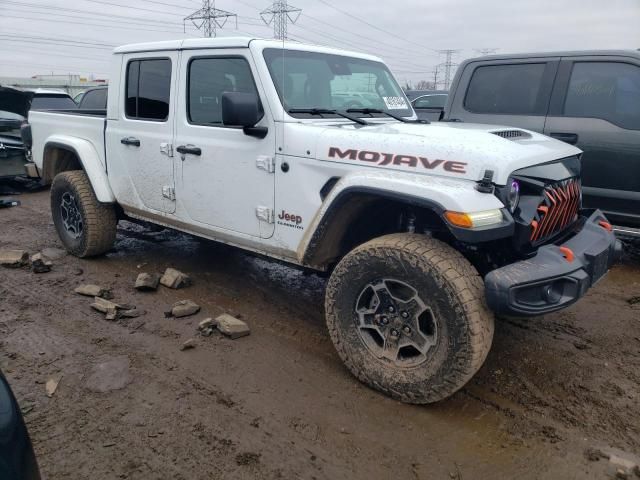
(75, 36)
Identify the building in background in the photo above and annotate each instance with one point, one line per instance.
(71, 84)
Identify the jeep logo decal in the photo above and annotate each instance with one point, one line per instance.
(290, 220)
(391, 158)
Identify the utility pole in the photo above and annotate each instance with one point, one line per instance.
(486, 51)
(448, 65)
(436, 72)
(208, 18)
(280, 14)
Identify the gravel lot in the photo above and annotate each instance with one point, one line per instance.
(279, 403)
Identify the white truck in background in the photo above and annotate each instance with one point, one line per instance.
(425, 230)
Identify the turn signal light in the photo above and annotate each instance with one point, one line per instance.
(459, 219)
(474, 219)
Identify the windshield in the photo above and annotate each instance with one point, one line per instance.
(52, 102)
(307, 80)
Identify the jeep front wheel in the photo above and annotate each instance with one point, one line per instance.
(85, 226)
(407, 316)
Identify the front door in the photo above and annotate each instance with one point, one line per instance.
(139, 141)
(226, 178)
(600, 114)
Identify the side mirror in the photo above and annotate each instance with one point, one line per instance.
(243, 110)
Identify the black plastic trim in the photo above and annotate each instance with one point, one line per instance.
(466, 235)
(521, 288)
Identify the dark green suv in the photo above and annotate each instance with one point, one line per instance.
(590, 99)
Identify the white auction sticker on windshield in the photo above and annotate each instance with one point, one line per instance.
(395, 103)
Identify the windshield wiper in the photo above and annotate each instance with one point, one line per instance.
(327, 111)
(371, 111)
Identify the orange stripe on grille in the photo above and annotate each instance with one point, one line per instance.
(558, 209)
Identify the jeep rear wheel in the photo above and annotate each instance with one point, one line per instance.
(85, 226)
(407, 316)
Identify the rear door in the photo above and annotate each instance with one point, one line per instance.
(139, 140)
(513, 92)
(596, 105)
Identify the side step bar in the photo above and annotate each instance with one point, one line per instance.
(627, 232)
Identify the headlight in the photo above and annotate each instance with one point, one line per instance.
(513, 195)
(475, 219)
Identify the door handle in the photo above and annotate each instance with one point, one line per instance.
(130, 141)
(189, 149)
(570, 138)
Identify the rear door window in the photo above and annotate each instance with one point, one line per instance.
(513, 89)
(148, 89)
(606, 90)
(52, 102)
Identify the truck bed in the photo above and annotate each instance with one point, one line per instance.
(49, 125)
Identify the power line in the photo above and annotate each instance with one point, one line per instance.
(51, 8)
(356, 45)
(210, 18)
(57, 21)
(280, 14)
(55, 41)
(358, 19)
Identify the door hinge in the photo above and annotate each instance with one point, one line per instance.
(265, 214)
(166, 149)
(169, 192)
(267, 163)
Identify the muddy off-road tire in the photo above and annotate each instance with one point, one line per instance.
(407, 316)
(85, 226)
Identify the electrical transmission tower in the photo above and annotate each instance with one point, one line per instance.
(209, 18)
(280, 14)
(448, 65)
(486, 51)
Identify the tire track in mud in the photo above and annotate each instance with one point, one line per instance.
(43, 300)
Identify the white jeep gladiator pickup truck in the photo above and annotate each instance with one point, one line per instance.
(425, 230)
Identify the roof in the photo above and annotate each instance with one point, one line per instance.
(232, 42)
(566, 53)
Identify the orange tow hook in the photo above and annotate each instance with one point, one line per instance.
(567, 253)
(606, 225)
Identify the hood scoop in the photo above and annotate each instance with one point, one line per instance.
(512, 134)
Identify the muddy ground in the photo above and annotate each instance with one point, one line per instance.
(279, 403)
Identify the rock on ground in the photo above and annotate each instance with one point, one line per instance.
(188, 345)
(53, 253)
(90, 290)
(184, 308)
(110, 374)
(104, 306)
(13, 258)
(207, 323)
(132, 313)
(39, 264)
(173, 278)
(232, 327)
(51, 386)
(147, 281)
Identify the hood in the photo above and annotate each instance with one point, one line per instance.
(15, 101)
(458, 150)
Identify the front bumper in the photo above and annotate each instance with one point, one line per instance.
(558, 275)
